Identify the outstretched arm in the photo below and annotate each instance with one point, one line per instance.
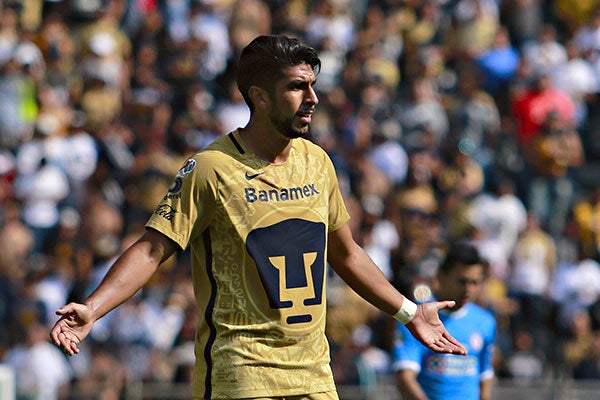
(127, 275)
(357, 269)
(485, 389)
(406, 381)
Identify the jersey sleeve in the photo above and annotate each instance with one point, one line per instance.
(338, 214)
(407, 351)
(189, 204)
(486, 357)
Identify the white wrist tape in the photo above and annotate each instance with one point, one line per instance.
(407, 312)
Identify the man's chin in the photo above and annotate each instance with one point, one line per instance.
(298, 132)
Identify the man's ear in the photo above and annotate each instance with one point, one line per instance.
(258, 96)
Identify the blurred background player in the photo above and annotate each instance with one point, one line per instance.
(422, 374)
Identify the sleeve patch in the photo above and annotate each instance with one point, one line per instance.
(187, 167)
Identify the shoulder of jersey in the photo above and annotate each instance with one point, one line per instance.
(484, 312)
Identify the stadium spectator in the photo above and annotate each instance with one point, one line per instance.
(524, 20)
(499, 217)
(531, 108)
(576, 77)
(474, 118)
(414, 209)
(422, 116)
(57, 43)
(555, 152)
(18, 102)
(525, 364)
(105, 52)
(211, 31)
(387, 154)
(42, 370)
(545, 52)
(580, 348)
(459, 182)
(330, 19)
(40, 183)
(231, 111)
(585, 30)
(380, 239)
(498, 64)
(586, 214)
(578, 281)
(474, 26)
(533, 268)
(247, 19)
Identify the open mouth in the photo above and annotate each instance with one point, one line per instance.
(305, 117)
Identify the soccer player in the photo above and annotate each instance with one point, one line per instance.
(422, 374)
(262, 212)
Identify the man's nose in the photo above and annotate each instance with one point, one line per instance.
(311, 96)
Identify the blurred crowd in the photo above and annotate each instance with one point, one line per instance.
(445, 119)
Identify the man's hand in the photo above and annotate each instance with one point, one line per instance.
(73, 326)
(427, 328)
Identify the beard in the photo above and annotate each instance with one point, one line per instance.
(289, 127)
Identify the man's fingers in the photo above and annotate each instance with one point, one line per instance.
(448, 348)
(448, 344)
(63, 310)
(74, 348)
(455, 345)
(62, 342)
(54, 337)
(438, 349)
(445, 304)
(443, 345)
(69, 346)
(66, 340)
(66, 309)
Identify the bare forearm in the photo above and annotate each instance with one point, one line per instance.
(366, 279)
(357, 269)
(485, 389)
(128, 274)
(409, 387)
(413, 392)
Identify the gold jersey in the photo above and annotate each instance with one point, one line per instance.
(258, 239)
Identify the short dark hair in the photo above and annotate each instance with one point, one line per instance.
(261, 62)
(461, 254)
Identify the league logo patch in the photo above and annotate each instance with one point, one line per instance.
(476, 341)
(188, 167)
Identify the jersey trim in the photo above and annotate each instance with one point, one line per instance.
(406, 364)
(487, 375)
(208, 314)
(236, 143)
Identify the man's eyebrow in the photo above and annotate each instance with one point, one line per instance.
(300, 82)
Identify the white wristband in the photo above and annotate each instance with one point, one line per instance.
(407, 312)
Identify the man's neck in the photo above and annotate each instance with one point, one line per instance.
(266, 144)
